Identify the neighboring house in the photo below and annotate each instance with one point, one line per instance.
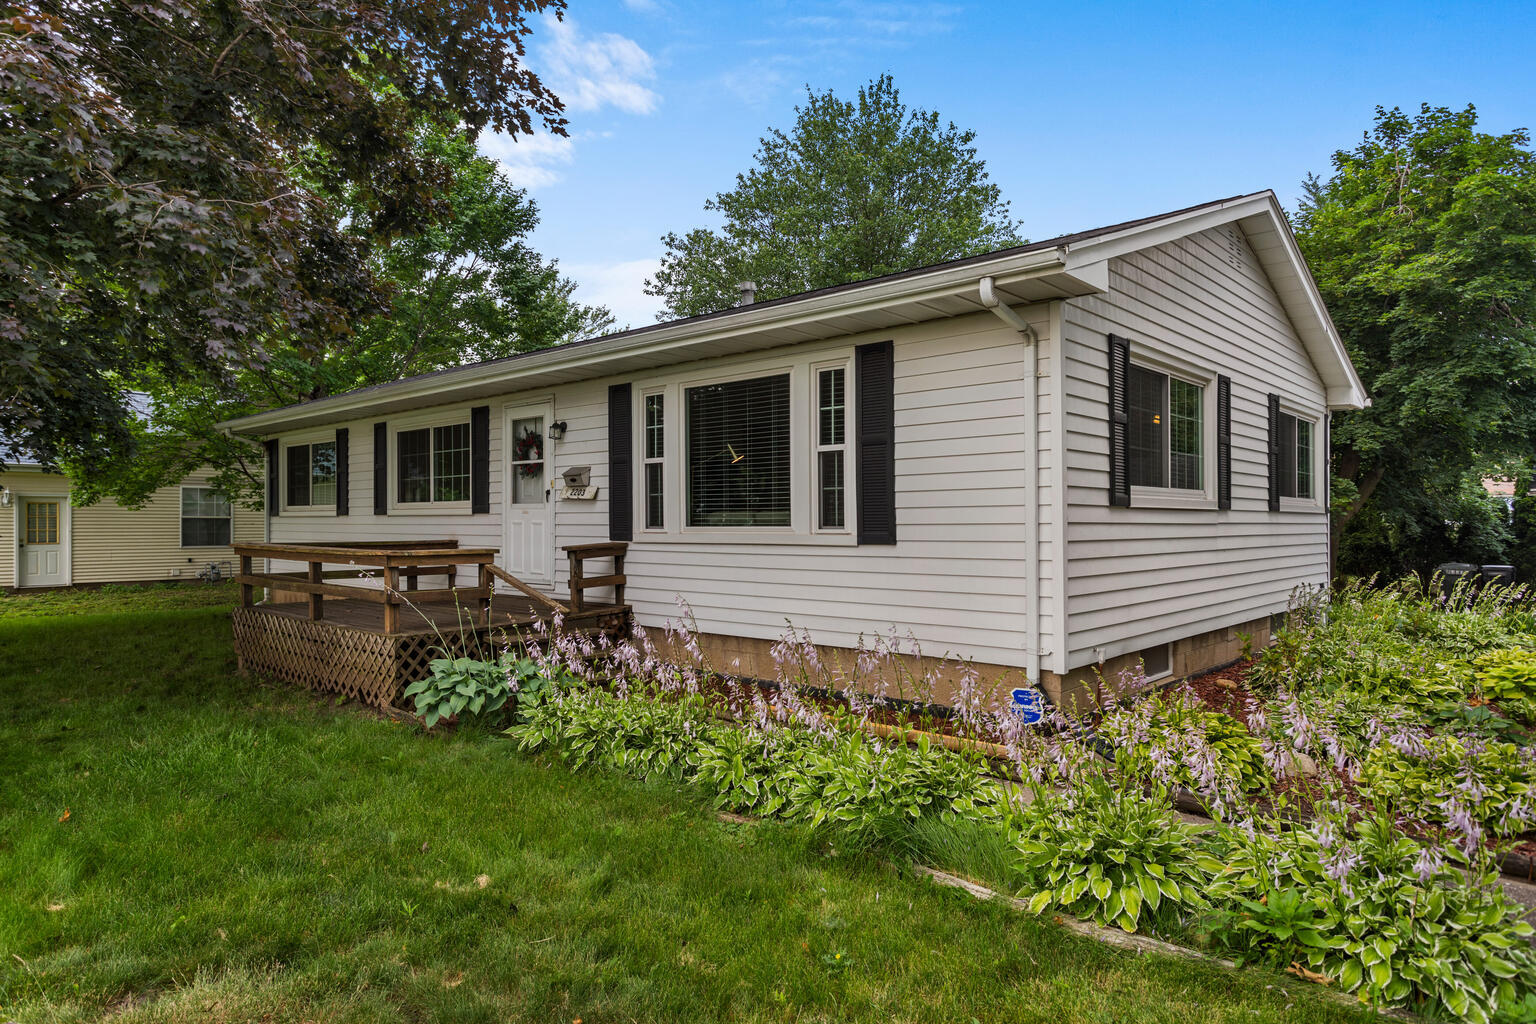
(46, 541)
(1052, 459)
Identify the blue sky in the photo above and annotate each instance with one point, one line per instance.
(1085, 113)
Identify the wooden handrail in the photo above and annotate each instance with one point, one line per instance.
(512, 581)
(579, 581)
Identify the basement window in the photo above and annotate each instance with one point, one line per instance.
(1157, 661)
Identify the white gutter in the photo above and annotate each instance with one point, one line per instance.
(1010, 316)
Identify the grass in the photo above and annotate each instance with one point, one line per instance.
(115, 597)
(179, 844)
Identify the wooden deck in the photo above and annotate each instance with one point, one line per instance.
(368, 639)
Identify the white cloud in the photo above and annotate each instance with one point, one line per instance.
(643, 6)
(531, 161)
(619, 286)
(592, 72)
(758, 80)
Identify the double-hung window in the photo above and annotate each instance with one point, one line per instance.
(655, 461)
(205, 518)
(312, 474)
(738, 453)
(1295, 467)
(831, 448)
(1165, 435)
(432, 464)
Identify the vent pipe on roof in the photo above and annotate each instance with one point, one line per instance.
(748, 292)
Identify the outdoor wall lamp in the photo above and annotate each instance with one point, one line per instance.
(5, 497)
(557, 430)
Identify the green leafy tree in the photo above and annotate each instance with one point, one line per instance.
(463, 288)
(165, 174)
(854, 190)
(1423, 242)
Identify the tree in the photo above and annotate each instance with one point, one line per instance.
(165, 168)
(1423, 243)
(464, 288)
(854, 190)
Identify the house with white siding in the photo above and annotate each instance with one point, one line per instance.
(1053, 460)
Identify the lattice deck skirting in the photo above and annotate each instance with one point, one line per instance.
(367, 666)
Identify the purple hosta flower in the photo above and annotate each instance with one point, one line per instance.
(1410, 742)
(1341, 867)
(1461, 820)
(1429, 864)
(1518, 816)
(1294, 721)
(969, 702)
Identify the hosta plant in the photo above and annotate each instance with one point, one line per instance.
(1172, 739)
(1400, 924)
(459, 687)
(636, 735)
(1108, 854)
(1509, 677)
(1435, 777)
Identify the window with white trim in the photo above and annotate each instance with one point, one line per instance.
(831, 448)
(1296, 457)
(432, 464)
(206, 518)
(738, 446)
(654, 459)
(1166, 433)
(311, 474)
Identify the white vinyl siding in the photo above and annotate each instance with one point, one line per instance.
(1141, 576)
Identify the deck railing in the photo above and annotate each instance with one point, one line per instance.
(395, 562)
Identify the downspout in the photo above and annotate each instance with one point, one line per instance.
(1008, 315)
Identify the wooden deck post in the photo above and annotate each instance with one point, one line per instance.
(618, 570)
(247, 592)
(391, 599)
(316, 600)
(575, 563)
(488, 588)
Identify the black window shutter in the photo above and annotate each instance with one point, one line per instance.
(1119, 421)
(1223, 441)
(343, 471)
(1274, 453)
(273, 493)
(621, 477)
(874, 368)
(480, 459)
(381, 469)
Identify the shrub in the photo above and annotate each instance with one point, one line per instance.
(1107, 854)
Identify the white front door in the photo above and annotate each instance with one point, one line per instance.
(530, 551)
(40, 539)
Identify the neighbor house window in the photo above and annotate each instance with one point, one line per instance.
(432, 464)
(205, 518)
(312, 474)
(1296, 456)
(738, 446)
(831, 448)
(1166, 431)
(655, 456)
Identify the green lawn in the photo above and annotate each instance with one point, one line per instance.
(117, 597)
(179, 844)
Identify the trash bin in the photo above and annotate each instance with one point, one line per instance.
(1503, 575)
(1452, 573)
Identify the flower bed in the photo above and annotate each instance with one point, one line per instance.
(1354, 804)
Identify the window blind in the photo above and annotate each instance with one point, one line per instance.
(739, 453)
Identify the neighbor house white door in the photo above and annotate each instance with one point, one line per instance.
(530, 550)
(40, 536)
